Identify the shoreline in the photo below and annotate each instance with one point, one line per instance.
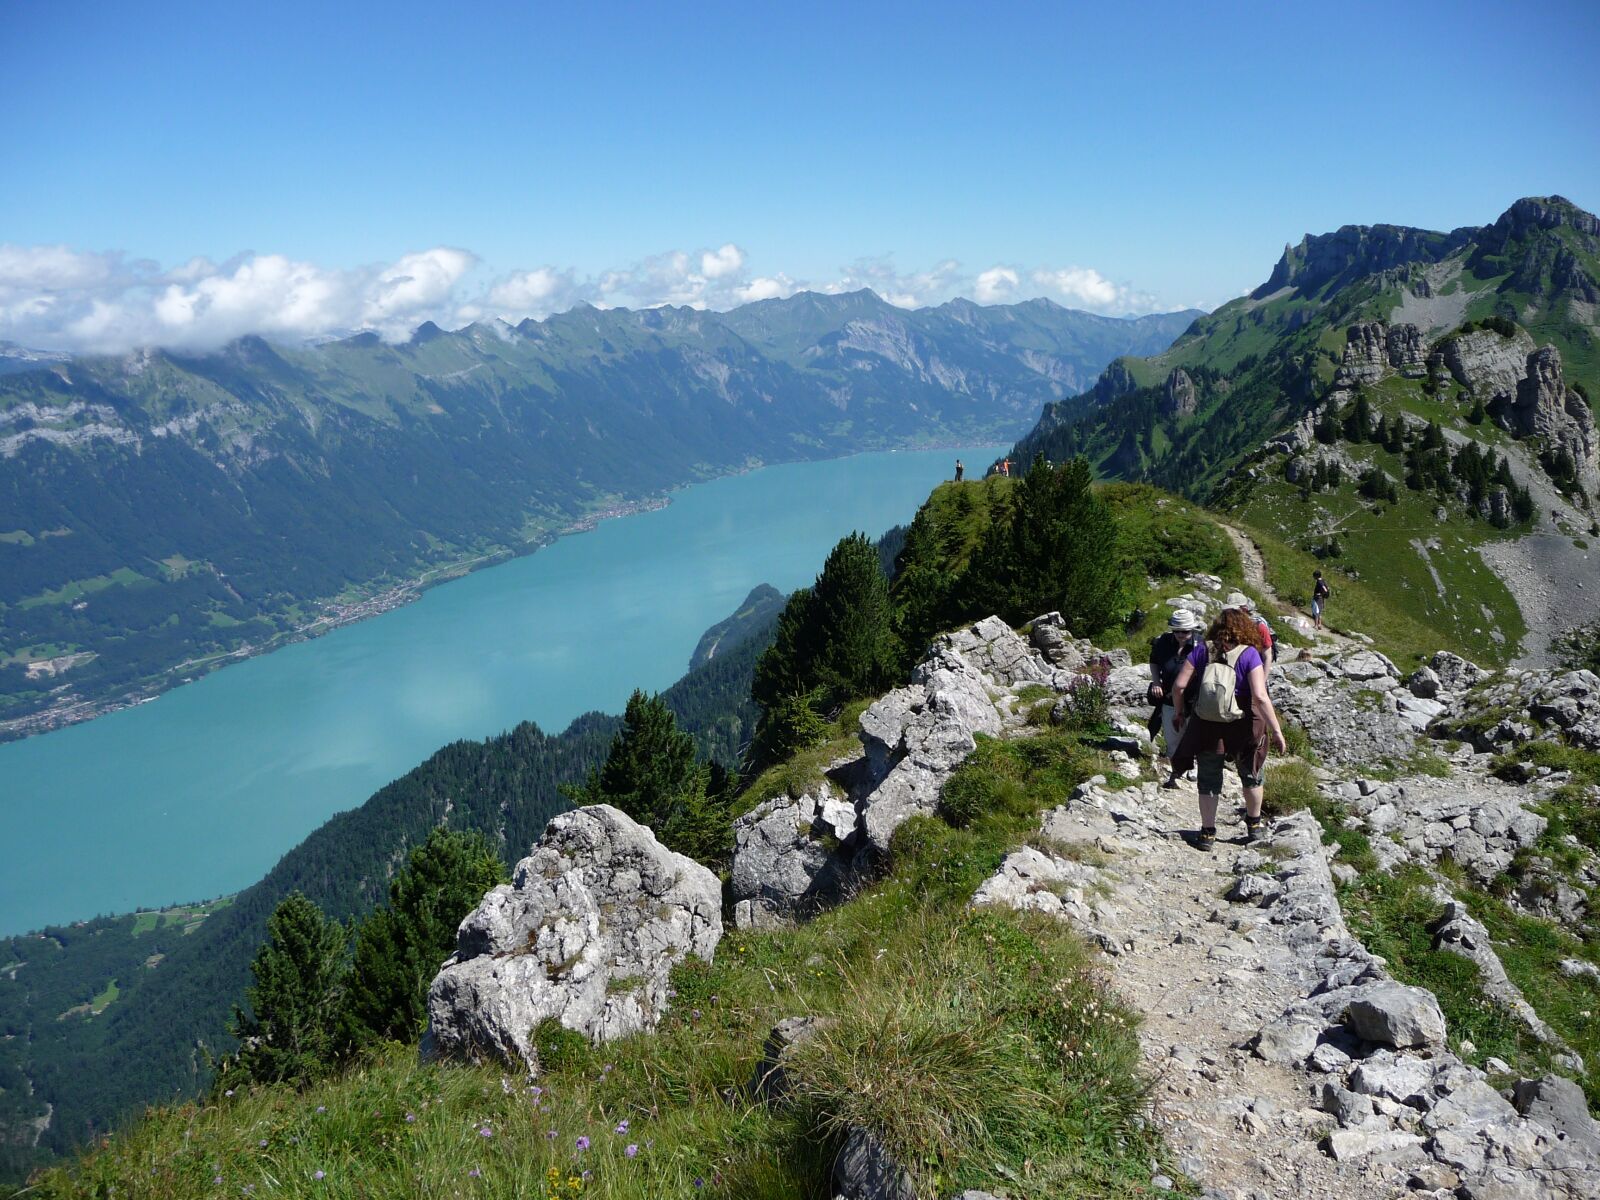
(62, 715)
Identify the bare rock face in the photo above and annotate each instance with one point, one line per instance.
(1546, 408)
(793, 855)
(1488, 364)
(1366, 353)
(1180, 398)
(1407, 352)
(586, 933)
(1051, 638)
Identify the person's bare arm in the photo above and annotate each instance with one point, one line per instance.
(1185, 673)
(1263, 703)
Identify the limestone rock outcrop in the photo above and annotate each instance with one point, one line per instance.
(585, 933)
(792, 856)
(1179, 397)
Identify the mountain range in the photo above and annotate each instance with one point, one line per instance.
(1267, 408)
(161, 512)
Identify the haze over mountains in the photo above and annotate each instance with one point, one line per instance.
(165, 509)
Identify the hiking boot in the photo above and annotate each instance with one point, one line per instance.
(1207, 839)
(1253, 828)
(1170, 782)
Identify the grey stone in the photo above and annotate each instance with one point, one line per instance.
(1393, 1014)
(1289, 1040)
(1329, 1059)
(1401, 1078)
(1471, 1106)
(586, 933)
(787, 856)
(1559, 1105)
(1347, 1107)
(1346, 1145)
(865, 1171)
(1424, 683)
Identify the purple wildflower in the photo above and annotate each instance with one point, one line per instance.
(486, 1132)
(216, 1179)
(552, 1135)
(622, 1126)
(698, 1182)
(632, 1151)
(474, 1173)
(411, 1118)
(583, 1143)
(322, 1108)
(319, 1174)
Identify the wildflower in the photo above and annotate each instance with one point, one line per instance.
(411, 1118)
(474, 1173)
(216, 1179)
(583, 1143)
(262, 1143)
(319, 1174)
(536, 1090)
(552, 1135)
(622, 1126)
(486, 1132)
(698, 1182)
(610, 1067)
(632, 1151)
(229, 1092)
(322, 1108)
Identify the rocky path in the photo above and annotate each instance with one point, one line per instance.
(1207, 974)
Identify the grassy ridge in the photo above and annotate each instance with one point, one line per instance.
(982, 1047)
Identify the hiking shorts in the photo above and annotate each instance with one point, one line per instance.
(1316, 608)
(1209, 768)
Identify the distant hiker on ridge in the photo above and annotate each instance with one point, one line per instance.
(1319, 595)
(1231, 719)
(960, 470)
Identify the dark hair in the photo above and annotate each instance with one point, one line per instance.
(1316, 574)
(1234, 628)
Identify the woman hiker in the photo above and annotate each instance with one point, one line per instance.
(1211, 737)
(1320, 592)
(1167, 655)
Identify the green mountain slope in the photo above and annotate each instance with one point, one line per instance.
(160, 511)
(1490, 334)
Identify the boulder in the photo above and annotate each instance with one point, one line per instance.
(1559, 1105)
(1455, 673)
(793, 855)
(586, 934)
(1050, 636)
(865, 1171)
(1423, 683)
(1393, 1014)
(1398, 1077)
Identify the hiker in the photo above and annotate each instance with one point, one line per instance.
(1005, 467)
(1319, 594)
(1268, 645)
(1231, 719)
(960, 470)
(1167, 655)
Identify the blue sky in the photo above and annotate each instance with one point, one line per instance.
(459, 161)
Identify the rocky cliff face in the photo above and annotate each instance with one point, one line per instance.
(1180, 398)
(1524, 388)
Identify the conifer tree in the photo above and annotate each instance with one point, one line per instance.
(398, 949)
(288, 1032)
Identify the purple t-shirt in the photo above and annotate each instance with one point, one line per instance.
(1247, 662)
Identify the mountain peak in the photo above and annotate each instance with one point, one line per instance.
(1546, 212)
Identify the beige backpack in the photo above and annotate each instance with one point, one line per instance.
(1217, 699)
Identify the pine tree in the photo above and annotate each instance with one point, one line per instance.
(398, 949)
(288, 1032)
(1358, 422)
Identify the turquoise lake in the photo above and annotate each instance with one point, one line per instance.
(200, 791)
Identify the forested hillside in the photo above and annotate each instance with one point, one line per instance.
(163, 510)
(100, 1018)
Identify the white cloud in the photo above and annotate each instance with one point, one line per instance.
(1082, 284)
(714, 264)
(54, 297)
(995, 286)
